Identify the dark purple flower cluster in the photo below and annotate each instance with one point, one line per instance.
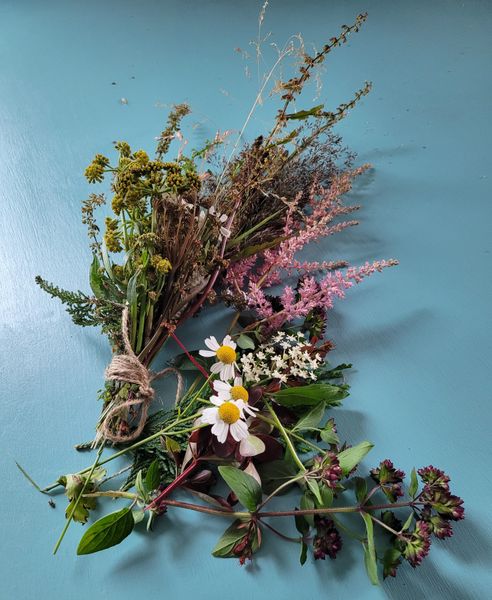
(329, 469)
(438, 525)
(437, 498)
(417, 544)
(434, 508)
(433, 477)
(327, 540)
(389, 478)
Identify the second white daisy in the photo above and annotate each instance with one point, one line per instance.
(236, 391)
(225, 416)
(225, 354)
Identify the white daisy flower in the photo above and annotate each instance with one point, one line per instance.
(225, 416)
(226, 391)
(225, 354)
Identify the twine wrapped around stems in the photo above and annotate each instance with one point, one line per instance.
(126, 367)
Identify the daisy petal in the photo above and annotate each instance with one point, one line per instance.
(216, 400)
(239, 430)
(238, 380)
(220, 430)
(207, 353)
(212, 343)
(226, 371)
(221, 386)
(209, 415)
(216, 368)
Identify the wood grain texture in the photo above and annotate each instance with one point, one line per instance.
(419, 335)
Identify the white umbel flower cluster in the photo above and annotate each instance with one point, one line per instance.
(286, 355)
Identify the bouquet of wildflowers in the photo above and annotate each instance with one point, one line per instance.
(253, 413)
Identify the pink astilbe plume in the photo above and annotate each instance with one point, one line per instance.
(249, 278)
(311, 294)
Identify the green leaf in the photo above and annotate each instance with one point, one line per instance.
(288, 138)
(138, 515)
(245, 342)
(310, 395)
(314, 487)
(231, 536)
(274, 473)
(107, 262)
(153, 476)
(131, 290)
(107, 532)
(351, 457)
(360, 489)
(140, 486)
(96, 280)
(246, 488)
(328, 434)
(302, 525)
(307, 503)
(414, 484)
(391, 559)
(408, 522)
(303, 555)
(326, 496)
(304, 114)
(311, 419)
(370, 551)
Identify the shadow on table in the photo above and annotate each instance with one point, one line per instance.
(468, 545)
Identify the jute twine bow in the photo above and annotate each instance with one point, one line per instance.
(126, 367)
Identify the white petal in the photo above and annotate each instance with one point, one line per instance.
(239, 430)
(222, 386)
(250, 410)
(238, 381)
(212, 343)
(210, 415)
(226, 371)
(206, 353)
(228, 341)
(251, 446)
(241, 405)
(251, 470)
(216, 368)
(220, 430)
(216, 400)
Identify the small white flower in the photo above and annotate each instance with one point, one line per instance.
(237, 392)
(225, 233)
(225, 416)
(225, 354)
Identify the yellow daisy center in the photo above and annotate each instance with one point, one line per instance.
(238, 392)
(226, 355)
(229, 412)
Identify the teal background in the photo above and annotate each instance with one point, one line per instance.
(418, 335)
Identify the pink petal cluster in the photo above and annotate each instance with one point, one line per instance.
(251, 276)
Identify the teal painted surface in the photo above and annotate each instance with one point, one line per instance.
(419, 335)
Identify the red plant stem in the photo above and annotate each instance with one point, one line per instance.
(341, 509)
(196, 363)
(174, 484)
(284, 513)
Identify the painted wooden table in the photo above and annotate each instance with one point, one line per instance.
(418, 335)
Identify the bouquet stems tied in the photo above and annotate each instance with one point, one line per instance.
(218, 225)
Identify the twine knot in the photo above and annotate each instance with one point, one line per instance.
(128, 368)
